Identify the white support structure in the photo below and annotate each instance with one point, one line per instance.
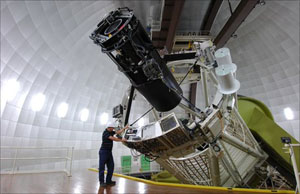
(293, 158)
(67, 158)
(155, 114)
(204, 85)
(214, 148)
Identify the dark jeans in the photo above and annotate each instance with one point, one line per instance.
(106, 158)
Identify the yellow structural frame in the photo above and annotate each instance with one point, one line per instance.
(199, 186)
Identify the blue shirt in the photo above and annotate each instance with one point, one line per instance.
(107, 144)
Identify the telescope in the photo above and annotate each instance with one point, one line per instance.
(213, 147)
(122, 37)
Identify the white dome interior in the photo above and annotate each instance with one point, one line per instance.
(46, 50)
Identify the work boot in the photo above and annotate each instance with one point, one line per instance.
(111, 183)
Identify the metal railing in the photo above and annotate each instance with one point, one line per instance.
(68, 157)
(293, 158)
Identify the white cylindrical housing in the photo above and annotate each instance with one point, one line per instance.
(228, 85)
(223, 56)
(233, 67)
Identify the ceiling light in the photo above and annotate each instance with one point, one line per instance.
(37, 102)
(62, 110)
(289, 114)
(84, 114)
(104, 118)
(10, 89)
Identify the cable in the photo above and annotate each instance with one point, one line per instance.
(188, 72)
(192, 105)
(134, 45)
(141, 116)
(146, 158)
(134, 154)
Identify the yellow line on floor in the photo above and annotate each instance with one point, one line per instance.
(200, 186)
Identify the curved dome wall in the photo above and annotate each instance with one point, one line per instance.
(266, 52)
(45, 47)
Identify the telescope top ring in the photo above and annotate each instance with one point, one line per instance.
(113, 27)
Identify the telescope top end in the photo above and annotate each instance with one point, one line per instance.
(113, 27)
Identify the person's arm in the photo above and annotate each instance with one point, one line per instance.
(116, 139)
(121, 130)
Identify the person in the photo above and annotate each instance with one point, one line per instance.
(105, 155)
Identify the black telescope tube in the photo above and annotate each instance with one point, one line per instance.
(122, 37)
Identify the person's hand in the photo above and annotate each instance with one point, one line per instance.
(124, 140)
(126, 127)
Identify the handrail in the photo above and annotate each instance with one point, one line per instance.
(293, 158)
(69, 158)
(294, 145)
(35, 158)
(36, 148)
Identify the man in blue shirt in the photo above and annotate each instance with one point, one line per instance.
(105, 155)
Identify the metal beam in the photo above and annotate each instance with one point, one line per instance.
(159, 37)
(128, 109)
(178, 6)
(181, 56)
(193, 88)
(238, 16)
(210, 16)
(192, 97)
